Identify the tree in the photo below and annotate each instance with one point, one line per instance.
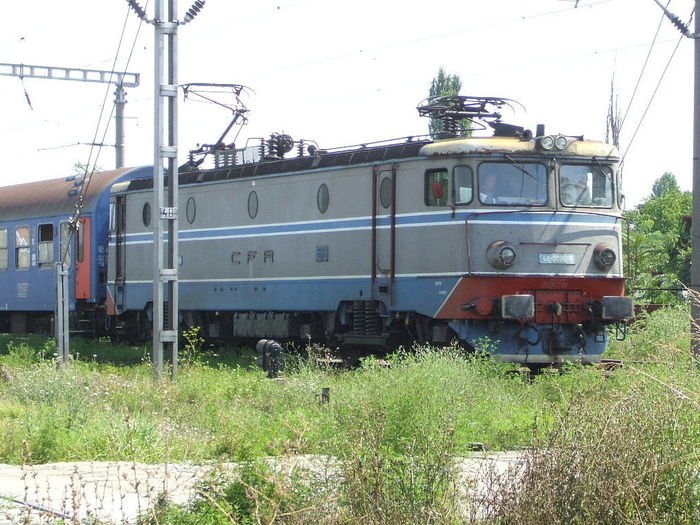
(664, 184)
(659, 242)
(443, 85)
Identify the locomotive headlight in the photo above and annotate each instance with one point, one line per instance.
(560, 142)
(547, 143)
(507, 256)
(604, 256)
(501, 254)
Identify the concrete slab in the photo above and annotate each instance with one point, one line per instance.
(120, 492)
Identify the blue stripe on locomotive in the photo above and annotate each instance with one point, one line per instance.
(424, 295)
(419, 219)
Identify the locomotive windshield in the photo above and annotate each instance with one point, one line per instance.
(512, 183)
(586, 185)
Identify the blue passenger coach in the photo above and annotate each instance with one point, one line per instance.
(35, 233)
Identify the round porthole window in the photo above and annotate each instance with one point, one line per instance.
(385, 192)
(253, 204)
(191, 210)
(322, 198)
(146, 214)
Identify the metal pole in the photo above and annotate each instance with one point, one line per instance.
(62, 317)
(158, 194)
(119, 102)
(165, 322)
(172, 258)
(695, 258)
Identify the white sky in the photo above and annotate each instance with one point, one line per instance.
(346, 73)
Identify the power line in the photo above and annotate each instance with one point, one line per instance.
(444, 35)
(641, 73)
(656, 89)
(86, 183)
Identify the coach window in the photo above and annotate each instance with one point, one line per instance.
(45, 245)
(65, 243)
(436, 187)
(22, 256)
(463, 184)
(3, 249)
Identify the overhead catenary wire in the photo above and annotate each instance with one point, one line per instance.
(87, 167)
(656, 89)
(442, 35)
(641, 72)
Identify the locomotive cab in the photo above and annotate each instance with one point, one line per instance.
(543, 270)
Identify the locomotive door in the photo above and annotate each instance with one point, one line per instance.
(384, 231)
(82, 259)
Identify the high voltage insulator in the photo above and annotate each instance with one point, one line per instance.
(676, 21)
(140, 11)
(193, 11)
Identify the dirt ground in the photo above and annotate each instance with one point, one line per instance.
(119, 492)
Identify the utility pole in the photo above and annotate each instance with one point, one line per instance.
(695, 254)
(165, 316)
(695, 227)
(165, 179)
(121, 79)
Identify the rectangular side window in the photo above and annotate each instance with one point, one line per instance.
(22, 240)
(463, 185)
(436, 187)
(3, 249)
(45, 245)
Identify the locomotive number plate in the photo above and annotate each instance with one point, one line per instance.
(557, 258)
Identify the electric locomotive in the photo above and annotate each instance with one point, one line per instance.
(510, 242)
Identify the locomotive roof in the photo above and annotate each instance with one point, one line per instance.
(511, 145)
(410, 148)
(51, 197)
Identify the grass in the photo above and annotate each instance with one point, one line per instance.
(604, 448)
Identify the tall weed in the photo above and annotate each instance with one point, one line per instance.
(632, 460)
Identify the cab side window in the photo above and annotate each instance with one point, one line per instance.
(437, 187)
(463, 185)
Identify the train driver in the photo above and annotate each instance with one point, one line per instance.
(575, 190)
(487, 189)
